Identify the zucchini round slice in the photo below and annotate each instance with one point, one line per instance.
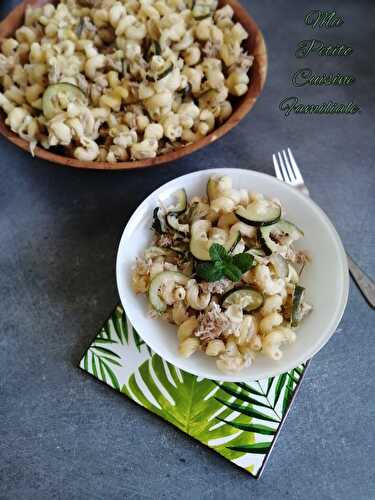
(247, 297)
(57, 97)
(280, 265)
(197, 210)
(233, 242)
(158, 223)
(259, 213)
(298, 295)
(173, 223)
(158, 281)
(200, 248)
(277, 237)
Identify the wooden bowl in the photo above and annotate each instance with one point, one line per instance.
(241, 106)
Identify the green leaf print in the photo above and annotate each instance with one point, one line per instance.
(253, 448)
(258, 428)
(120, 325)
(293, 379)
(237, 420)
(101, 359)
(104, 350)
(242, 396)
(190, 404)
(115, 328)
(279, 387)
(250, 412)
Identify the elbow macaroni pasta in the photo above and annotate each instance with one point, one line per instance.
(230, 333)
(156, 66)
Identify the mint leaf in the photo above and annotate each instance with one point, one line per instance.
(243, 261)
(209, 271)
(232, 272)
(217, 252)
(219, 266)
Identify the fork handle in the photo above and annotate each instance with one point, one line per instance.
(364, 283)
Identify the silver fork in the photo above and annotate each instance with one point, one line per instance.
(286, 170)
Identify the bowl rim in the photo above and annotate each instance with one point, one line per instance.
(246, 103)
(335, 317)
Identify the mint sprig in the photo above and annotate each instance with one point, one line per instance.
(243, 261)
(209, 272)
(224, 265)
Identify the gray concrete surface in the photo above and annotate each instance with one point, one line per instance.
(65, 436)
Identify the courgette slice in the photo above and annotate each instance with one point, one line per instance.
(246, 297)
(236, 240)
(277, 237)
(174, 223)
(232, 242)
(197, 210)
(280, 265)
(298, 295)
(172, 217)
(158, 281)
(200, 249)
(158, 224)
(57, 97)
(259, 213)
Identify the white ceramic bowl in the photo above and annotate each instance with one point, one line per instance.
(326, 279)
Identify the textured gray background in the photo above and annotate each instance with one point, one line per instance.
(64, 435)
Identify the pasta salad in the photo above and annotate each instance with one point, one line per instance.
(224, 270)
(112, 80)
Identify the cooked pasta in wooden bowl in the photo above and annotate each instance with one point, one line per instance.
(124, 84)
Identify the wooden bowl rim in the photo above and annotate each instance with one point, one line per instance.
(257, 81)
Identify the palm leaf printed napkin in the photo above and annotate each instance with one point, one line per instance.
(240, 421)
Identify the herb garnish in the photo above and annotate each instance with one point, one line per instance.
(224, 265)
